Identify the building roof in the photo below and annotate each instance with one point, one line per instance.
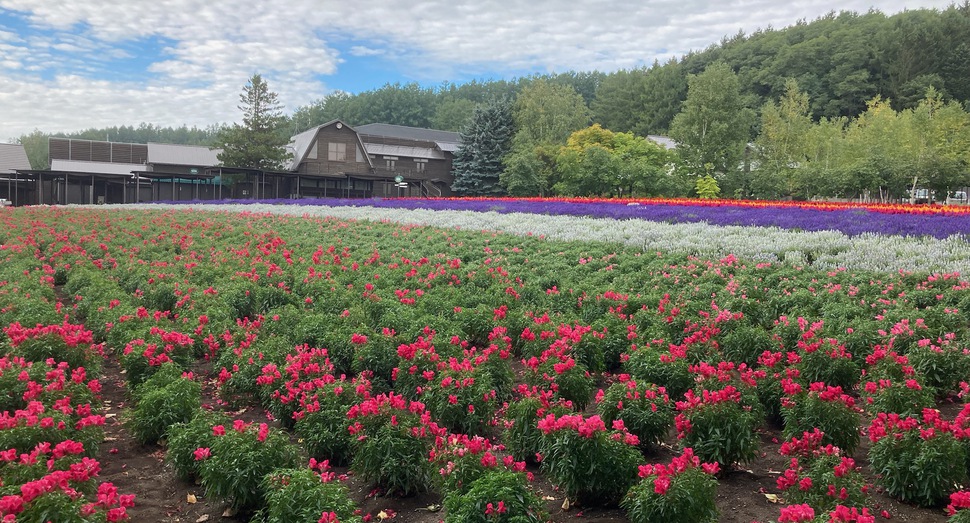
(13, 156)
(81, 166)
(403, 150)
(665, 141)
(172, 154)
(300, 144)
(409, 133)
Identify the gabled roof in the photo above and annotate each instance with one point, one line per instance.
(172, 154)
(300, 144)
(13, 156)
(409, 133)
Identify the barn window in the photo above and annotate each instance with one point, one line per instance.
(337, 152)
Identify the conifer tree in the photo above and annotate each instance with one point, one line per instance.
(485, 140)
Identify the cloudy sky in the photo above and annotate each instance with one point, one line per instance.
(77, 64)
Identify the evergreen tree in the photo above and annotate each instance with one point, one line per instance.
(256, 143)
(484, 142)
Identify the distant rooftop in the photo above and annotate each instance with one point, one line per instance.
(13, 157)
(666, 141)
(172, 154)
(408, 133)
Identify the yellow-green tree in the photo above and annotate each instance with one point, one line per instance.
(597, 161)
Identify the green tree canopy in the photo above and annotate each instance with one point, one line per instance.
(256, 143)
(597, 161)
(713, 126)
(545, 114)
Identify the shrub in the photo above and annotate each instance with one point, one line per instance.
(645, 409)
(717, 426)
(681, 492)
(234, 466)
(391, 441)
(496, 496)
(649, 365)
(521, 433)
(50, 484)
(915, 457)
(462, 397)
(825, 360)
(163, 402)
(903, 397)
(302, 495)
(591, 464)
(185, 438)
(142, 357)
(323, 423)
(824, 480)
(940, 367)
(561, 374)
(823, 407)
(73, 344)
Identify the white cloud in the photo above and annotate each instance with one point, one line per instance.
(210, 48)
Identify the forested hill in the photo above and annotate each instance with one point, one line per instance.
(841, 60)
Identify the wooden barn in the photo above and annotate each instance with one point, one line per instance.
(374, 160)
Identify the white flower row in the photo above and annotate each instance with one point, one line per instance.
(823, 249)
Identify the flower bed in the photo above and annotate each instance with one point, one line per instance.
(484, 371)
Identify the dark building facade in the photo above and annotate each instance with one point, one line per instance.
(330, 160)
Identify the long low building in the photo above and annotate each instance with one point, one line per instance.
(332, 159)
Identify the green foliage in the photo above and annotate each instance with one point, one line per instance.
(832, 479)
(185, 438)
(497, 496)
(644, 409)
(240, 459)
(916, 467)
(713, 126)
(720, 430)
(688, 498)
(302, 495)
(586, 461)
(649, 365)
(322, 424)
(163, 401)
(545, 115)
(596, 161)
(707, 188)
(825, 408)
(522, 438)
(485, 140)
(255, 144)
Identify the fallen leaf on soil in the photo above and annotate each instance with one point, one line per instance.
(203, 517)
(773, 498)
(229, 512)
(190, 498)
(565, 504)
(110, 415)
(773, 471)
(548, 498)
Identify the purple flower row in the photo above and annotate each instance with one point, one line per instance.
(851, 222)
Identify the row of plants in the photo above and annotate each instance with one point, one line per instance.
(51, 427)
(454, 361)
(852, 219)
(796, 242)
